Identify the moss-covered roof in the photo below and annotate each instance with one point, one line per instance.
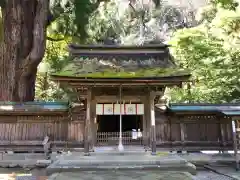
(141, 73)
(121, 62)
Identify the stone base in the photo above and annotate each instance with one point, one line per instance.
(121, 163)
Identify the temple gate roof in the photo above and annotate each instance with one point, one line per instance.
(120, 62)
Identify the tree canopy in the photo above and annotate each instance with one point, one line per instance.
(211, 51)
(204, 39)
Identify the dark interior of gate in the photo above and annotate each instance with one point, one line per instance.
(108, 127)
(111, 123)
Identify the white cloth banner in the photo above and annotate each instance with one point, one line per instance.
(117, 109)
(108, 109)
(99, 109)
(114, 109)
(130, 109)
(140, 109)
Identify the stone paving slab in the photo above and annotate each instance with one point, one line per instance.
(229, 171)
(122, 175)
(73, 163)
(207, 175)
(207, 158)
(135, 159)
(24, 163)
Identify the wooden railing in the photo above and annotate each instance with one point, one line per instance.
(112, 139)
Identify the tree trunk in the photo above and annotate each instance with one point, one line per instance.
(24, 41)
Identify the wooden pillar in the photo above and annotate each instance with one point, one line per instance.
(222, 133)
(147, 120)
(87, 132)
(93, 122)
(153, 123)
(182, 131)
(235, 143)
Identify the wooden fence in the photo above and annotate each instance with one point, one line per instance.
(26, 131)
(195, 132)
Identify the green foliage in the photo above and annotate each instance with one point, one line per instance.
(206, 14)
(102, 23)
(212, 52)
(227, 4)
(2, 3)
(47, 90)
(72, 17)
(83, 10)
(56, 57)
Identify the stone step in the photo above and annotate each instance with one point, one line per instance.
(127, 162)
(188, 167)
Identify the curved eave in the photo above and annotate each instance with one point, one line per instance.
(163, 78)
(171, 80)
(126, 47)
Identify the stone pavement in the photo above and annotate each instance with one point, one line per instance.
(72, 160)
(118, 173)
(34, 159)
(28, 160)
(227, 170)
(103, 162)
(149, 175)
(121, 175)
(208, 158)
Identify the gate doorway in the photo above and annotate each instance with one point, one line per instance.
(109, 127)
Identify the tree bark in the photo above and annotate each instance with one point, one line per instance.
(24, 41)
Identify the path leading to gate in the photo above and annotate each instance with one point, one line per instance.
(32, 159)
(107, 164)
(69, 161)
(99, 162)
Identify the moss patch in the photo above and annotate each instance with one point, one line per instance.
(107, 73)
(138, 67)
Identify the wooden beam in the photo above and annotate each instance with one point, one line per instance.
(112, 99)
